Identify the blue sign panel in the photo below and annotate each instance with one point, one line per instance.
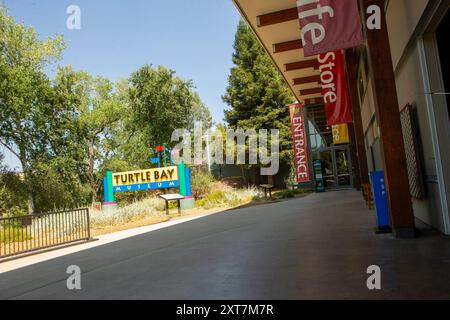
(147, 186)
(380, 200)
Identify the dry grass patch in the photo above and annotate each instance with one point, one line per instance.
(220, 197)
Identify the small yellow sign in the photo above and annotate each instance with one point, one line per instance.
(145, 176)
(340, 134)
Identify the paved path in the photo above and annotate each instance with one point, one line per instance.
(316, 247)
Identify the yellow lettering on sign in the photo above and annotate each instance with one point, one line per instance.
(145, 176)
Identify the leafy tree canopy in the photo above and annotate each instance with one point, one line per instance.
(68, 130)
(162, 102)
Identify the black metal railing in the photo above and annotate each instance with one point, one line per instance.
(26, 234)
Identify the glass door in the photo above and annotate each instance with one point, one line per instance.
(343, 168)
(336, 167)
(326, 156)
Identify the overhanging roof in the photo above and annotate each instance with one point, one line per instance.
(276, 24)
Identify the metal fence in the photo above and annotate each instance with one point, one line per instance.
(26, 234)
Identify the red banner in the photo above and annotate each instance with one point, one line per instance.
(329, 25)
(335, 88)
(300, 140)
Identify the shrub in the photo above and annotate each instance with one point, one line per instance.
(212, 200)
(200, 183)
(230, 197)
(14, 234)
(14, 212)
(240, 196)
(12, 195)
(57, 191)
(146, 208)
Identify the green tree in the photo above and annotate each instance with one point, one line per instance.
(98, 121)
(25, 92)
(67, 131)
(257, 94)
(87, 138)
(162, 102)
(12, 195)
(199, 113)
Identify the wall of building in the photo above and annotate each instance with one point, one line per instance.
(410, 90)
(403, 17)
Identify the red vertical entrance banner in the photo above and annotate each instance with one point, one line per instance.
(335, 88)
(300, 140)
(329, 25)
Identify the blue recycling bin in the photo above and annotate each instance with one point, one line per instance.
(381, 202)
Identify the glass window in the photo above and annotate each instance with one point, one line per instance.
(320, 133)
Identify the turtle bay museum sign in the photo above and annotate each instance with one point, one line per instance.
(299, 136)
(166, 177)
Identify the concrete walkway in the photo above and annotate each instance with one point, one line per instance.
(100, 240)
(317, 247)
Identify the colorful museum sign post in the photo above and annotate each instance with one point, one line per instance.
(108, 190)
(147, 179)
(156, 178)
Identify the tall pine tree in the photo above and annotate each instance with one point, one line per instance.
(257, 94)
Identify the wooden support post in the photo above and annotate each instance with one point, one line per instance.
(388, 118)
(167, 207)
(358, 130)
(354, 156)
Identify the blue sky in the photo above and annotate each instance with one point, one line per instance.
(194, 38)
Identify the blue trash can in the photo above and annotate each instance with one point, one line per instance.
(381, 202)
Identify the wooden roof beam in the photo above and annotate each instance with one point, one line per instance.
(287, 46)
(313, 101)
(304, 64)
(304, 80)
(277, 17)
(307, 92)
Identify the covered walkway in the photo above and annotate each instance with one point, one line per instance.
(314, 247)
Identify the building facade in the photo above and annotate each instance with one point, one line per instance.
(398, 84)
(419, 48)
